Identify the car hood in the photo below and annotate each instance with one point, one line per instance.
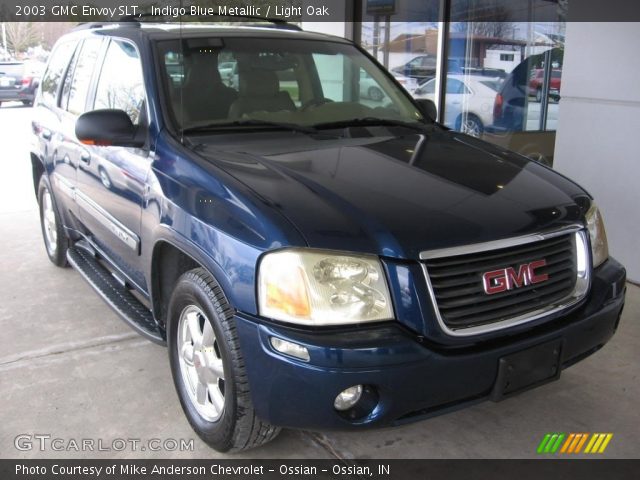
(396, 192)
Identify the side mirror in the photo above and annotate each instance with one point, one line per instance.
(427, 108)
(107, 127)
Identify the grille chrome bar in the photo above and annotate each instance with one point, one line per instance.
(581, 262)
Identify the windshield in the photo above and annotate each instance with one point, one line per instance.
(216, 82)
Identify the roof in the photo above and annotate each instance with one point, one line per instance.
(175, 30)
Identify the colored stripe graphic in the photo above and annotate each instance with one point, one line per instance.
(572, 443)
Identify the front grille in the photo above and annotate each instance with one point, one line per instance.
(457, 281)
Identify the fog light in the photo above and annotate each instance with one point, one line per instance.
(348, 398)
(290, 348)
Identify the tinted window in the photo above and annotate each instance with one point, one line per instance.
(11, 69)
(274, 79)
(55, 70)
(121, 82)
(454, 86)
(79, 87)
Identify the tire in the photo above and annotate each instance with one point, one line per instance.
(375, 94)
(539, 95)
(27, 103)
(470, 125)
(104, 178)
(55, 239)
(198, 305)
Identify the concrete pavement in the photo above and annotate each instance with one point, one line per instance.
(71, 369)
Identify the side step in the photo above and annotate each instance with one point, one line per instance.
(118, 298)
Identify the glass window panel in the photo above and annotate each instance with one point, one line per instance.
(121, 83)
(82, 73)
(511, 70)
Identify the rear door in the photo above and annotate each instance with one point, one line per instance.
(47, 127)
(111, 180)
(69, 153)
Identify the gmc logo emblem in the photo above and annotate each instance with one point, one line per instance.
(505, 279)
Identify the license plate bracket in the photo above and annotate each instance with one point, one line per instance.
(527, 369)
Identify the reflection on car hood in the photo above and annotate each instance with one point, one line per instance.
(395, 192)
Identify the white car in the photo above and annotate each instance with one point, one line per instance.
(469, 101)
(370, 89)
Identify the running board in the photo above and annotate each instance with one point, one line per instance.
(121, 300)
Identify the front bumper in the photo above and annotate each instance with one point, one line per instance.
(412, 378)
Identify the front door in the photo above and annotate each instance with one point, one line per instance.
(111, 180)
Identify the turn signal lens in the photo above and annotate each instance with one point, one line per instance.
(286, 291)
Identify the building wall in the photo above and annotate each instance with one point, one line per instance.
(599, 126)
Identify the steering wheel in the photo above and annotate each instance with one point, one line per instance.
(314, 102)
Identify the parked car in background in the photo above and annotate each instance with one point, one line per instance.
(469, 101)
(511, 103)
(537, 80)
(229, 74)
(421, 68)
(19, 81)
(410, 84)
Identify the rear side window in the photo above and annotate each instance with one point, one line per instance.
(121, 82)
(11, 69)
(76, 95)
(55, 71)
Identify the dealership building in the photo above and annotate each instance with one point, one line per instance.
(573, 103)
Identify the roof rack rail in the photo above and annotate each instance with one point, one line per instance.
(88, 25)
(275, 22)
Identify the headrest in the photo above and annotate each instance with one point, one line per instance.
(203, 69)
(259, 83)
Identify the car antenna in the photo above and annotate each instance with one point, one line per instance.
(184, 74)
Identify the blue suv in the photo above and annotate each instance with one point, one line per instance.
(311, 257)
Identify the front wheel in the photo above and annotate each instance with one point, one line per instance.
(55, 239)
(208, 366)
(375, 94)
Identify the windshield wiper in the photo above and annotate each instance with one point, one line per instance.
(209, 127)
(370, 122)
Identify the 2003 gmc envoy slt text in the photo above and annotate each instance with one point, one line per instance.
(313, 257)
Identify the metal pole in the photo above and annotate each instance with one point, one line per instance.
(441, 65)
(4, 37)
(544, 101)
(387, 39)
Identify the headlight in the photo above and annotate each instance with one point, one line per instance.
(312, 287)
(598, 236)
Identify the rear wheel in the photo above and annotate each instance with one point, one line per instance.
(28, 103)
(471, 125)
(55, 239)
(208, 366)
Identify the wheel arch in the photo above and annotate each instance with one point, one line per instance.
(170, 259)
(37, 170)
